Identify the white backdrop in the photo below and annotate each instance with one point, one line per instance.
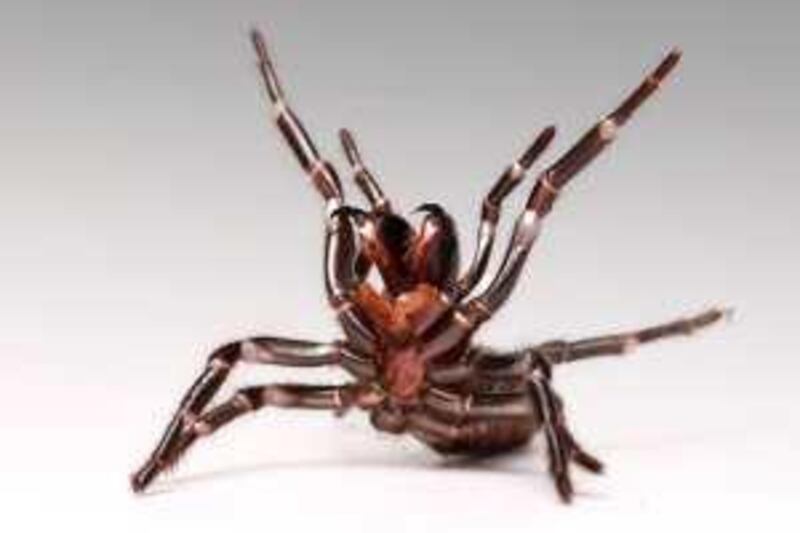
(149, 212)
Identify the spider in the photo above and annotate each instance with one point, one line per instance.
(408, 338)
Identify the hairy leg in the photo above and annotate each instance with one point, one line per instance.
(363, 177)
(340, 238)
(263, 350)
(246, 400)
(468, 316)
(343, 279)
(490, 211)
(551, 181)
(322, 173)
(560, 351)
(562, 447)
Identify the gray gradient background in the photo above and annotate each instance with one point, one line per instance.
(149, 211)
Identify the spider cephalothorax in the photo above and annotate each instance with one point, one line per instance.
(408, 329)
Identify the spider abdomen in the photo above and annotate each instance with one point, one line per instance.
(488, 437)
(476, 424)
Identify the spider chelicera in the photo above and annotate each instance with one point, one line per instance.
(408, 341)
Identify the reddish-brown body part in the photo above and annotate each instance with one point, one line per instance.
(408, 338)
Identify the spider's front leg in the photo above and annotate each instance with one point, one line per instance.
(469, 315)
(490, 210)
(552, 180)
(322, 173)
(342, 279)
(262, 350)
(363, 176)
(341, 251)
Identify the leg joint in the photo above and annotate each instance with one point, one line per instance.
(226, 356)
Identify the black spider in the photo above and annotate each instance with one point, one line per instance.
(409, 344)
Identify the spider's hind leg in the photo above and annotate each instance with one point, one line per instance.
(260, 350)
(562, 448)
(560, 351)
(335, 398)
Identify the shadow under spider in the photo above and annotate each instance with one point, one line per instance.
(507, 464)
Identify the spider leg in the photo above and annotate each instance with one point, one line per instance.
(342, 278)
(550, 182)
(597, 138)
(341, 254)
(263, 350)
(246, 400)
(363, 177)
(579, 455)
(512, 397)
(322, 173)
(490, 210)
(621, 343)
(468, 316)
(562, 447)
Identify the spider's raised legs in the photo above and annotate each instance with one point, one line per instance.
(342, 279)
(490, 210)
(263, 350)
(552, 180)
(467, 317)
(340, 245)
(322, 173)
(363, 177)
